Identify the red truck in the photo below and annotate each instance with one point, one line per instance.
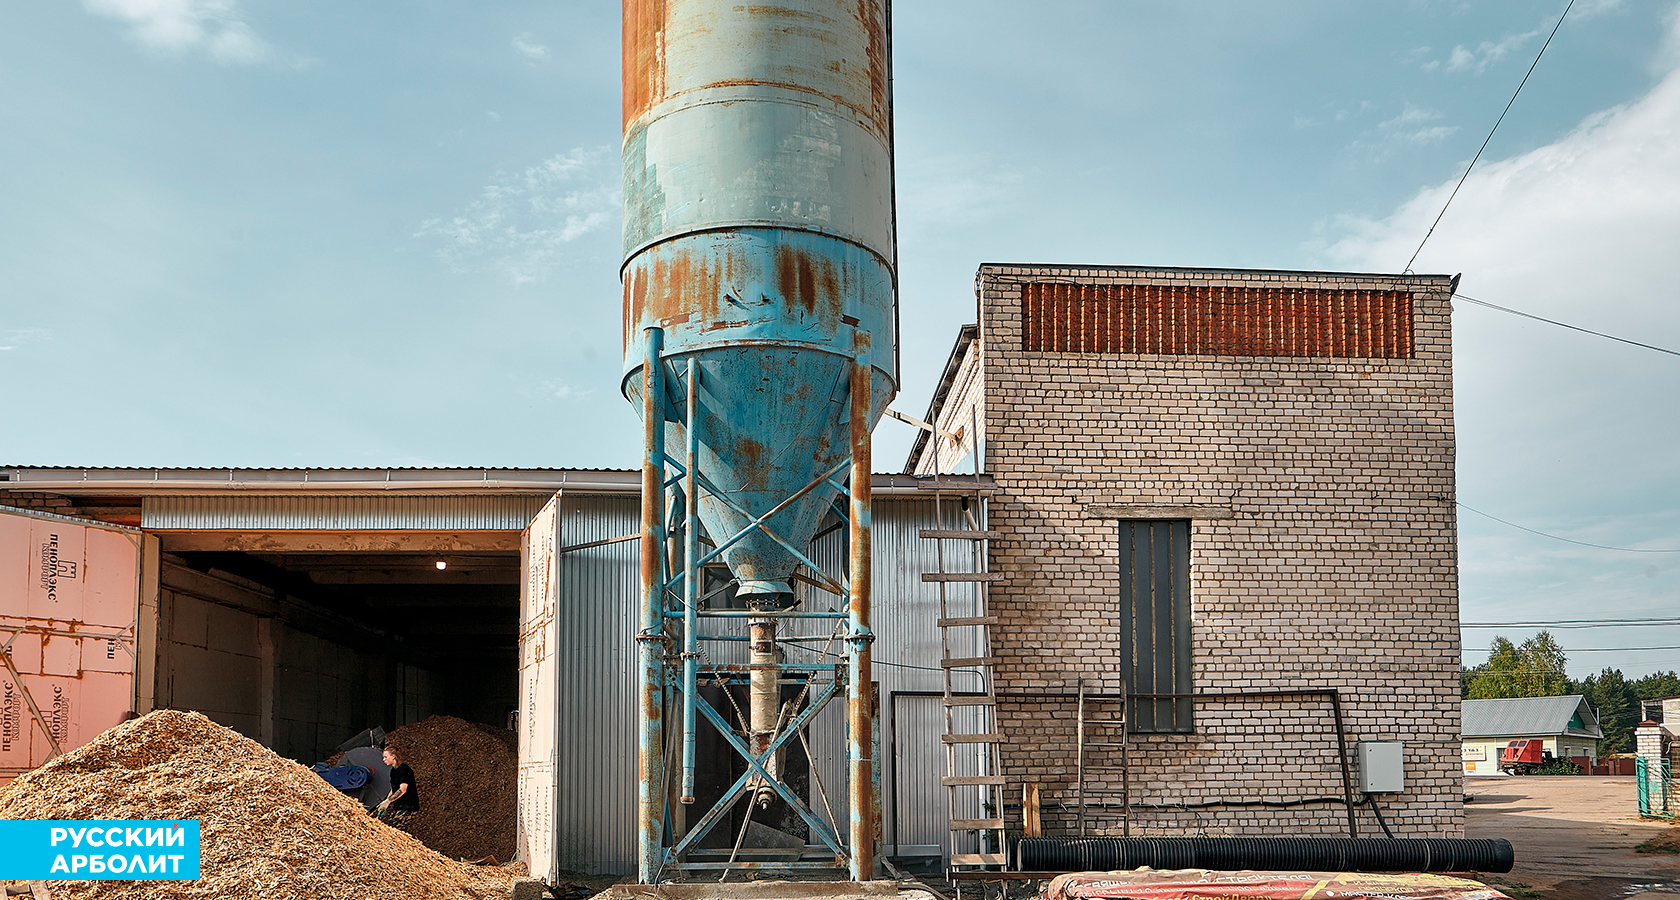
(1524, 757)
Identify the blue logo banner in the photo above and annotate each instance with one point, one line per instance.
(99, 850)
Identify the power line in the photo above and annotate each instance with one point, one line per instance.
(1559, 625)
(1484, 146)
(1559, 538)
(1518, 312)
(1587, 649)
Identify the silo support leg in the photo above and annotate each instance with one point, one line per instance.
(860, 673)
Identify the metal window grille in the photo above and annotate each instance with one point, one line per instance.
(1155, 623)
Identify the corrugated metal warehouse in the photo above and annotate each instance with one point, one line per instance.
(1228, 491)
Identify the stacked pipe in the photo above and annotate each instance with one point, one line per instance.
(1267, 854)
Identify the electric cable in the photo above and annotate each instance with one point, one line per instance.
(1380, 820)
(1495, 128)
(1559, 538)
(1518, 312)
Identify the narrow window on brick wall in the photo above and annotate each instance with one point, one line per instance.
(1155, 623)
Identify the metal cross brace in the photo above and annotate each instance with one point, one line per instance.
(756, 768)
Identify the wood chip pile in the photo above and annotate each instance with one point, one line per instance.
(468, 776)
(270, 827)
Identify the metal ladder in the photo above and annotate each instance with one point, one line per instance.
(972, 757)
(1102, 728)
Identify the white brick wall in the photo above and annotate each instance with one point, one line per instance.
(1336, 567)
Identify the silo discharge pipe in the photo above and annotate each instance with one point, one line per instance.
(764, 705)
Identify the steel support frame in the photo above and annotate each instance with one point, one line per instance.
(660, 585)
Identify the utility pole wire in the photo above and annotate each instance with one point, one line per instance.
(1518, 312)
(1564, 539)
(1490, 135)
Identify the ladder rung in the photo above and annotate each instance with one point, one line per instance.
(961, 576)
(1091, 768)
(975, 824)
(969, 661)
(978, 859)
(970, 701)
(1103, 744)
(968, 620)
(954, 487)
(1105, 721)
(955, 534)
(950, 780)
(972, 739)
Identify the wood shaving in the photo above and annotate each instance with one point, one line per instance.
(270, 827)
(468, 776)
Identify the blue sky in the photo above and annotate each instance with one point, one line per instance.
(325, 234)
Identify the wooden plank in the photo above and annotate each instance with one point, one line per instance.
(969, 701)
(971, 738)
(1031, 826)
(956, 534)
(979, 859)
(961, 576)
(950, 780)
(967, 661)
(975, 824)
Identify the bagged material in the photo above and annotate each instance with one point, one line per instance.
(1203, 884)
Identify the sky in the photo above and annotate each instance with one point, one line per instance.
(255, 233)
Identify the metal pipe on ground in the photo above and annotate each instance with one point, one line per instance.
(1268, 854)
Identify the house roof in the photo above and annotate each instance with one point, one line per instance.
(1530, 716)
(953, 365)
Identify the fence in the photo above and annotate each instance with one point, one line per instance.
(1656, 788)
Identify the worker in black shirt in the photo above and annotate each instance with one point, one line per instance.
(403, 804)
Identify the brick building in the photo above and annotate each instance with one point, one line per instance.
(1214, 481)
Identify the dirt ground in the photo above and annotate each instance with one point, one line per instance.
(1574, 837)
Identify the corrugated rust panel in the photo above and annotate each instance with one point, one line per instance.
(1216, 321)
(505, 512)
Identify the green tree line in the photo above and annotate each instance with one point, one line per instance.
(1536, 668)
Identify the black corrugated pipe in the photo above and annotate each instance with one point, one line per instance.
(1265, 854)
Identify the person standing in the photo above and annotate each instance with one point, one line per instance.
(402, 805)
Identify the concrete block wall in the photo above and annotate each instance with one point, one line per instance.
(209, 656)
(1323, 553)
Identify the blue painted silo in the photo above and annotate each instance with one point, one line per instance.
(759, 236)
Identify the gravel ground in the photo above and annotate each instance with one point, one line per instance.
(1574, 837)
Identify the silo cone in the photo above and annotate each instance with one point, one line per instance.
(758, 235)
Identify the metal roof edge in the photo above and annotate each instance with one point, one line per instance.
(992, 268)
(92, 482)
(966, 335)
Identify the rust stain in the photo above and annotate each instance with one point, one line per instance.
(644, 57)
(808, 282)
(876, 32)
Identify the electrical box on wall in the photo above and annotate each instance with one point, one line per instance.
(1382, 768)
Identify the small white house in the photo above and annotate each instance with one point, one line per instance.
(1567, 725)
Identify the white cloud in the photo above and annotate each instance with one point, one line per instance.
(1559, 431)
(1412, 127)
(560, 390)
(522, 222)
(1487, 53)
(527, 45)
(954, 189)
(176, 26)
(18, 337)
